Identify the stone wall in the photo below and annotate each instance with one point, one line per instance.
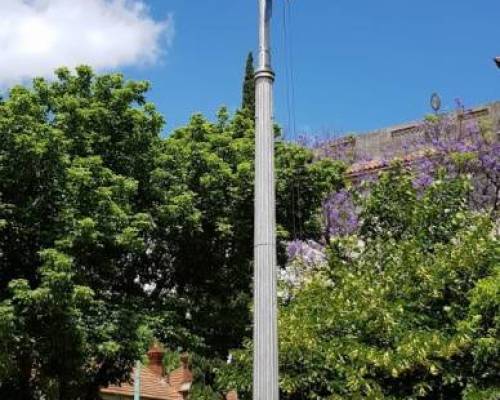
(377, 144)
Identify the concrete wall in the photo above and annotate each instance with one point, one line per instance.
(390, 140)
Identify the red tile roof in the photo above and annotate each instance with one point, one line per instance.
(365, 167)
(153, 384)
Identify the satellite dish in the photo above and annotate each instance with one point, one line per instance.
(435, 102)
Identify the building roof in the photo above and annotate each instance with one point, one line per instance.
(154, 385)
(367, 167)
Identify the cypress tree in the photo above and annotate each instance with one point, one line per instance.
(248, 98)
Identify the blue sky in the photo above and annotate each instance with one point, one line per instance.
(358, 65)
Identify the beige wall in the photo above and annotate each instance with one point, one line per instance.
(379, 142)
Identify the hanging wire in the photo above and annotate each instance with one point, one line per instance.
(291, 83)
(291, 109)
(286, 71)
(288, 131)
(291, 68)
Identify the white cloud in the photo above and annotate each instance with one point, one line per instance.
(37, 36)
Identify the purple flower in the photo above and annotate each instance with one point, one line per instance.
(472, 128)
(309, 252)
(422, 181)
(340, 214)
(433, 144)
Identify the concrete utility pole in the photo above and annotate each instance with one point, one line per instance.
(265, 357)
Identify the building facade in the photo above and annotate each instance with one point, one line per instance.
(374, 145)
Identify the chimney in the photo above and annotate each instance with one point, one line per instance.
(185, 360)
(185, 375)
(155, 356)
(232, 395)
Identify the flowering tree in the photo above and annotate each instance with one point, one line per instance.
(340, 215)
(463, 147)
(397, 298)
(305, 258)
(406, 307)
(459, 142)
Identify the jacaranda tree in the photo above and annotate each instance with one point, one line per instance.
(404, 304)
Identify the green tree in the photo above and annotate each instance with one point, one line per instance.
(204, 214)
(111, 234)
(248, 95)
(404, 312)
(75, 159)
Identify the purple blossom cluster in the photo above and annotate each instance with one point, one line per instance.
(424, 169)
(305, 258)
(458, 144)
(308, 252)
(454, 141)
(340, 214)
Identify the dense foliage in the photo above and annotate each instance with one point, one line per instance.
(403, 304)
(74, 155)
(111, 234)
(211, 228)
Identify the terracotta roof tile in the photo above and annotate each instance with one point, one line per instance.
(179, 376)
(376, 165)
(154, 386)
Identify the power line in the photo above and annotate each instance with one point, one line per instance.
(291, 66)
(288, 133)
(286, 93)
(291, 125)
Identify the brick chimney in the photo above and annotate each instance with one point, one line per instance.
(155, 356)
(232, 395)
(185, 360)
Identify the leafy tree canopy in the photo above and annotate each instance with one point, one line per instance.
(210, 221)
(75, 155)
(111, 234)
(406, 306)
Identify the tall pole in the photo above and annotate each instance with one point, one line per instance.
(265, 360)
